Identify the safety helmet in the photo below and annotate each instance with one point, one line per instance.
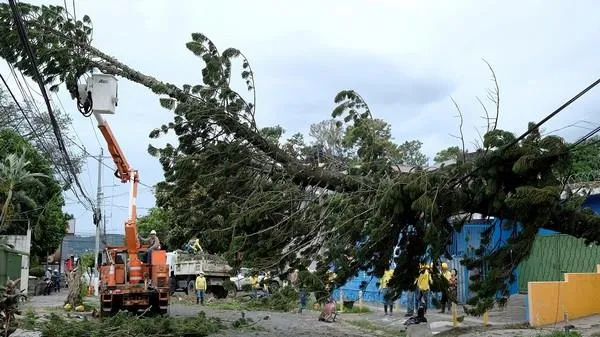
(444, 265)
(153, 232)
(49, 268)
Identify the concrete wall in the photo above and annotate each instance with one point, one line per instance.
(577, 296)
(22, 243)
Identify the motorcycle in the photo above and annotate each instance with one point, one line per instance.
(48, 286)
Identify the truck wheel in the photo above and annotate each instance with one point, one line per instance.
(274, 287)
(191, 288)
(232, 292)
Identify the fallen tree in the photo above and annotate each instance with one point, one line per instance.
(228, 177)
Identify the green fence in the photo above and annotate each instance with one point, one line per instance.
(10, 264)
(553, 255)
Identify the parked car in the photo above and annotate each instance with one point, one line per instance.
(242, 280)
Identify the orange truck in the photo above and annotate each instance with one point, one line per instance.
(126, 280)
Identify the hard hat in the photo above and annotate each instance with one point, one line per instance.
(153, 232)
(201, 273)
(49, 268)
(444, 265)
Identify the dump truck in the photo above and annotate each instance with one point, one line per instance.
(186, 266)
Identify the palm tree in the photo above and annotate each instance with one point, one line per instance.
(14, 174)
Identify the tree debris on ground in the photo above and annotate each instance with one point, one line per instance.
(126, 325)
(10, 297)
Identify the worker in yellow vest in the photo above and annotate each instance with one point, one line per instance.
(447, 275)
(385, 291)
(200, 288)
(423, 283)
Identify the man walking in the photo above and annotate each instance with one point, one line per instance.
(424, 285)
(200, 288)
(387, 294)
(447, 275)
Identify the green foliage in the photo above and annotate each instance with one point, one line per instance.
(40, 203)
(559, 333)
(268, 204)
(87, 261)
(586, 157)
(286, 299)
(37, 271)
(451, 153)
(158, 219)
(120, 325)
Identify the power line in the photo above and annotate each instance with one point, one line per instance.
(535, 127)
(42, 144)
(27, 46)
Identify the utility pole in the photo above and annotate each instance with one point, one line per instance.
(98, 222)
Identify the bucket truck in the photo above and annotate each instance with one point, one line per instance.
(127, 281)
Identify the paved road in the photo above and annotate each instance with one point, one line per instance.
(277, 324)
(306, 324)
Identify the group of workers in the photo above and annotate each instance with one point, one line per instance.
(419, 297)
(193, 246)
(54, 277)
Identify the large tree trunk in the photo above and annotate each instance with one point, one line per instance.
(74, 282)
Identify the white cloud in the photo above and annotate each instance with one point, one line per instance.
(542, 51)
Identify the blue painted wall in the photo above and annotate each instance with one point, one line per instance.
(463, 242)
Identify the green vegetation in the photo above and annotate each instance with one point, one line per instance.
(30, 193)
(560, 334)
(121, 325)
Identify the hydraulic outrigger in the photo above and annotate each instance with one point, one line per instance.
(125, 282)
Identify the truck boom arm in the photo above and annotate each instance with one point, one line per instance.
(126, 174)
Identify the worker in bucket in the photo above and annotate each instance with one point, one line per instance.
(153, 244)
(200, 288)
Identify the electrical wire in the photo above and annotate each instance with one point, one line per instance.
(535, 127)
(27, 46)
(42, 144)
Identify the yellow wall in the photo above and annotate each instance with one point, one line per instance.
(578, 296)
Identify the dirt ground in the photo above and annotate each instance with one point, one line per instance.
(503, 323)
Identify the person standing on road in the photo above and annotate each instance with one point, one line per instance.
(255, 284)
(424, 285)
(447, 275)
(385, 291)
(172, 282)
(200, 288)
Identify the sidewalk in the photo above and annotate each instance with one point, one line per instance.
(514, 313)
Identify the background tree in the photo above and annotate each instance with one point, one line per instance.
(40, 204)
(14, 176)
(159, 220)
(451, 153)
(329, 135)
(35, 127)
(410, 153)
(586, 158)
(247, 193)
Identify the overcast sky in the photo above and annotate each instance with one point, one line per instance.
(406, 58)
